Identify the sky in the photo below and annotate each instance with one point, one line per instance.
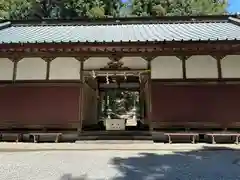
(234, 6)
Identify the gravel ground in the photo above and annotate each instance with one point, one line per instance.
(120, 165)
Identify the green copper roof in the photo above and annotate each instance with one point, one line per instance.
(194, 30)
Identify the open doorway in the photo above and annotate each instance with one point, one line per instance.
(120, 104)
(122, 101)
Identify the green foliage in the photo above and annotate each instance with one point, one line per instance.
(210, 7)
(46, 9)
(83, 8)
(24, 9)
(15, 9)
(178, 7)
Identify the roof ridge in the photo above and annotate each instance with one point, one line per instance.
(193, 21)
(4, 25)
(234, 20)
(127, 20)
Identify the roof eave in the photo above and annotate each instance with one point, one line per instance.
(114, 43)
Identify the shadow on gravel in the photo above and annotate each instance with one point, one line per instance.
(209, 163)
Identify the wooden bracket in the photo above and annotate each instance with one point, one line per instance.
(218, 57)
(148, 58)
(48, 59)
(82, 58)
(183, 58)
(115, 57)
(15, 59)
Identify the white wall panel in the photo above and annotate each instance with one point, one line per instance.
(31, 69)
(201, 67)
(6, 69)
(64, 68)
(231, 66)
(166, 67)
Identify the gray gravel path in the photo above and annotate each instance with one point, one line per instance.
(120, 165)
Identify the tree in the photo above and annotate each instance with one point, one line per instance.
(210, 7)
(93, 9)
(15, 9)
(83, 8)
(46, 9)
(178, 7)
(112, 7)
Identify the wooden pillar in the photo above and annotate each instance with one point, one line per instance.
(149, 91)
(150, 96)
(81, 93)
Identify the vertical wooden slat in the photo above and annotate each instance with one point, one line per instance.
(15, 61)
(14, 70)
(219, 67)
(184, 70)
(48, 70)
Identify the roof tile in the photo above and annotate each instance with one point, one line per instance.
(194, 31)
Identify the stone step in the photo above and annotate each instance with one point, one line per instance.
(116, 133)
(83, 138)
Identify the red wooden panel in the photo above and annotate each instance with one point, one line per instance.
(39, 106)
(196, 105)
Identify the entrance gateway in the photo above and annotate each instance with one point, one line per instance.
(58, 75)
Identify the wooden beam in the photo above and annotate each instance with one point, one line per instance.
(158, 52)
(81, 93)
(106, 50)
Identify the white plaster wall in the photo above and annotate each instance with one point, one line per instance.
(31, 69)
(231, 66)
(166, 67)
(201, 67)
(6, 69)
(96, 63)
(64, 68)
(134, 62)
